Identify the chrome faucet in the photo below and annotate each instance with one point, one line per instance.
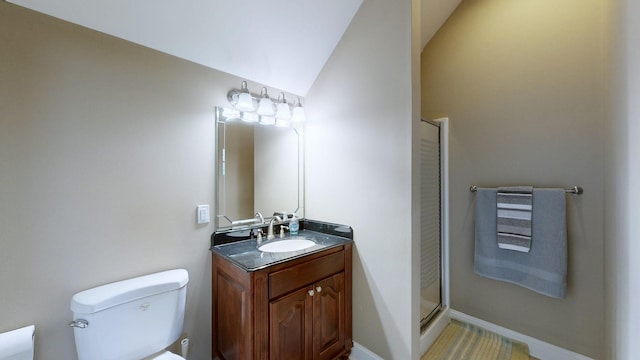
(270, 229)
(258, 216)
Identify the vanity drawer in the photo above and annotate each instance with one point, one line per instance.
(295, 277)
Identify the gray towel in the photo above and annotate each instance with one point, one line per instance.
(514, 217)
(544, 268)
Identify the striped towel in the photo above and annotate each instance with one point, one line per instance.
(514, 205)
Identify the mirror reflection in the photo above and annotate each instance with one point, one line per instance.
(259, 169)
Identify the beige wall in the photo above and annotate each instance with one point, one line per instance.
(358, 169)
(524, 86)
(106, 148)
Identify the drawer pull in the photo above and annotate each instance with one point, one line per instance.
(311, 293)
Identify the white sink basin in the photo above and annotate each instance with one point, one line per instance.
(286, 245)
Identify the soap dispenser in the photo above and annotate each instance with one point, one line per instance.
(294, 226)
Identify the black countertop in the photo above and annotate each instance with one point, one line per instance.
(241, 248)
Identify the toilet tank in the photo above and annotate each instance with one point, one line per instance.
(130, 319)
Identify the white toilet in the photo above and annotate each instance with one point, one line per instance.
(132, 319)
(17, 344)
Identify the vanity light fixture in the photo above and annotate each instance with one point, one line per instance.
(260, 108)
(265, 106)
(297, 114)
(282, 108)
(244, 100)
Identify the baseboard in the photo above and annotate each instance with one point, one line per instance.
(359, 352)
(537, 348)
(427, 338)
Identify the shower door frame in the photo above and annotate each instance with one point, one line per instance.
(443, 126)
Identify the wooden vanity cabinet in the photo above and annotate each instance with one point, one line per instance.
(300, 309)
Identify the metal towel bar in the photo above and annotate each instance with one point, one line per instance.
(576, 190)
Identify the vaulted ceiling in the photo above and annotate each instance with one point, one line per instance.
(280, 43)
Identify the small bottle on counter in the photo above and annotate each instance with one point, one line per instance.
(294, 226)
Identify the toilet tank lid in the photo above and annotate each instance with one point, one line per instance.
(109, 295)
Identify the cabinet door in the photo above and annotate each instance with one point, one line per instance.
(329, 317)
(291, 326)
(231, 311)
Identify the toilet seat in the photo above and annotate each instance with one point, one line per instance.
(166, 355)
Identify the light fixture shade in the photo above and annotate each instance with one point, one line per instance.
(298, 114)
(245, 101)
(282, 109)
(265, 106)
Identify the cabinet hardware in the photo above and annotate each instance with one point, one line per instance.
(311, 293)
(319, 289)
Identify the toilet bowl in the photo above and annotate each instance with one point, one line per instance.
(131, 319)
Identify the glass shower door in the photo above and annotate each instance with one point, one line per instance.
(430, 231)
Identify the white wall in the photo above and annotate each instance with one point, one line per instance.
(358, 148)
(358, 168)
(623, 193)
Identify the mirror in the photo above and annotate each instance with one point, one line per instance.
(259, 169)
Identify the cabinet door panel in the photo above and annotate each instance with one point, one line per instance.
(329, 317)
(232, 315)
(291, 326)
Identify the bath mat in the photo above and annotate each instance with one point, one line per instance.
(461, 341)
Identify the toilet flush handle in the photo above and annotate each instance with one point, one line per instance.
(79, 323)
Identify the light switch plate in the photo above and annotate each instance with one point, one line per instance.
(203, 214)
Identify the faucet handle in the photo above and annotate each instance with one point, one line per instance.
(281, 231)
(258, 217)
(281, 214)
(259, 235)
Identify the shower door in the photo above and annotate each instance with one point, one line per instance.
(430, 228)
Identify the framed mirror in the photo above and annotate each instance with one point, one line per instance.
(259, 168)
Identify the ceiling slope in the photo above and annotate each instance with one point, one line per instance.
(280, 43)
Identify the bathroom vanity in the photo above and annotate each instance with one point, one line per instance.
(282, 305)
(281, 298)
